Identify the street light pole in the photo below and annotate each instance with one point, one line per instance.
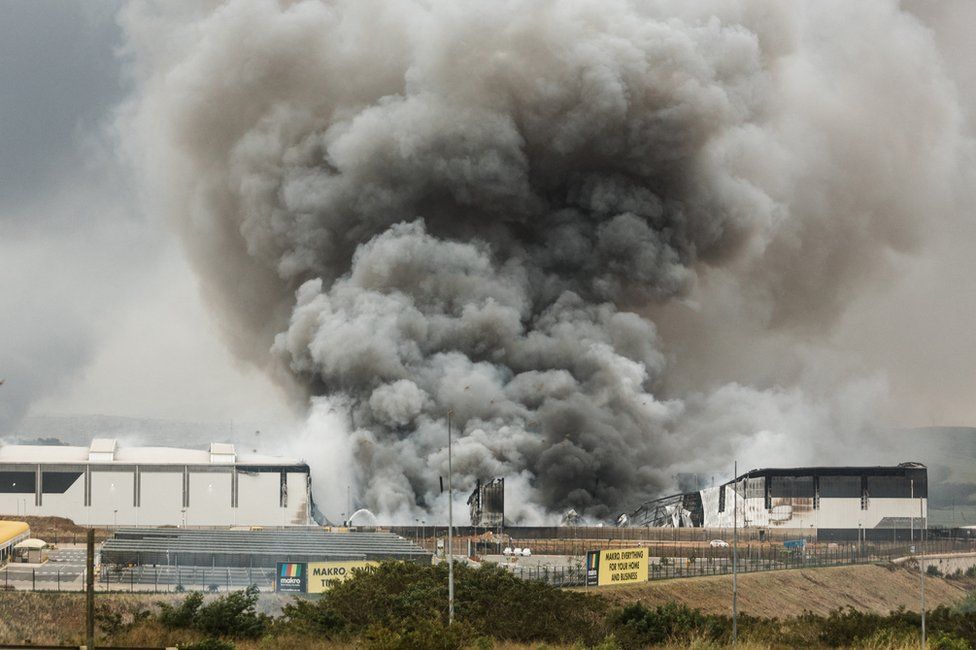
(450, 526)
(735, 550)
(921, 570)
(911, 519)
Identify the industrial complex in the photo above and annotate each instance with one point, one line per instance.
(881, 503)
(106, 484)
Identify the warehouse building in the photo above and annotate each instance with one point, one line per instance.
(835, 503)
(108, 485)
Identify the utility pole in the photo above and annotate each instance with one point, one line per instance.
(450, 526)
(911, 519)
(735, 550)
(921, 569)
(90, 592)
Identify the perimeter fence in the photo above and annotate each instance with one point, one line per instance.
(685, 563)
(159, 579)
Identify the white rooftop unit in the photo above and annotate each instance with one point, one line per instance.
(102, 450)
(222, 453)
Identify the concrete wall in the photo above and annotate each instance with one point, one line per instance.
(161, 497)
(950, 563)
(210, 502)
(259, 493)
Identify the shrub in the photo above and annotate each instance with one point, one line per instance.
(638, 627)
(232, 615)
(312, 617)
(933, 570)
(427, 634)
(400, 599)
(843, 627)
(182, 615)
(947, 641)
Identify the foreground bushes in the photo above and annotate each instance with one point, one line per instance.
(233, 615)
(405, 606)
(409, 601)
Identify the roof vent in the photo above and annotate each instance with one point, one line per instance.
(222, 453)
(102, 450)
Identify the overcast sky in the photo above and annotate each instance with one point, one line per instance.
(99, 313)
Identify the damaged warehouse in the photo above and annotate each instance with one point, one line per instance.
(837, 503)
(487, 504)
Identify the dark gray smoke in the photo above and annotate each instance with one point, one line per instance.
(417, 207)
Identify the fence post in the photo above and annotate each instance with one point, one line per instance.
(33, 580)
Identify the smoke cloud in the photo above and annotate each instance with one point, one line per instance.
(402, 209)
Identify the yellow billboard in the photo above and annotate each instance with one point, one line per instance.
(323, 575)
(619, 566)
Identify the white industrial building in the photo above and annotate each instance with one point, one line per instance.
(108, 485)
(881, 503)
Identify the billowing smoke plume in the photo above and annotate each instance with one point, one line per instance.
(407, 208)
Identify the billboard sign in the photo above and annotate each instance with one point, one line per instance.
(620, 566)
(322, 576)
(291, 577)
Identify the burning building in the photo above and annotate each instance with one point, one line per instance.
(487, 504)
(836, 502)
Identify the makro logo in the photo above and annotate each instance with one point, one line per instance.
(291, 577)
(291, 571)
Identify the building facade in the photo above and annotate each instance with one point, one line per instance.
(834, 503)
(108, 485)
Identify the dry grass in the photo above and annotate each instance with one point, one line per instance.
(59, 529)
(874, 588)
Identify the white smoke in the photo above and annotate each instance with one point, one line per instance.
(423, 207)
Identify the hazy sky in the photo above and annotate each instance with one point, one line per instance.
(99, 312)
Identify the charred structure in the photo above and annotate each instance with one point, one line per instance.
(487, 504)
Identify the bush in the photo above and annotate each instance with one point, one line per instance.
(933, 570)
(312, 618)
(400, 599)
(182, 615)
(427, 634)
(638, 627)
(947, 641)
(233, 615)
